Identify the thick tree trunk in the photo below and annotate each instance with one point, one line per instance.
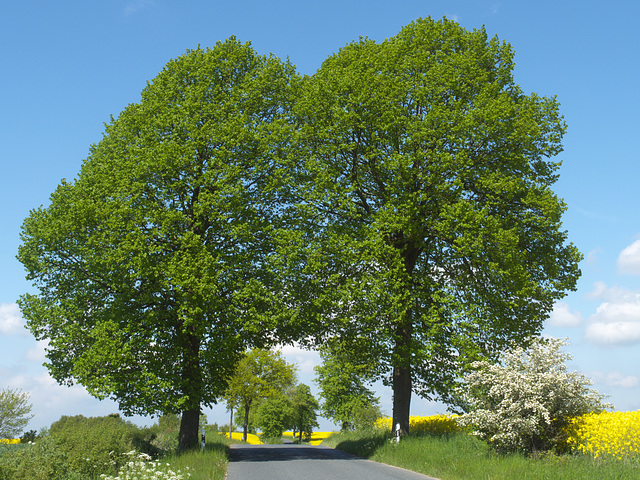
(192, 389)
(402, 377)
(403, 356)
(401, 399)
(188, 437)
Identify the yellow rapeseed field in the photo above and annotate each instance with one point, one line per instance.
(607, 434)
(251, 438)
(435, 424)
(11, 441)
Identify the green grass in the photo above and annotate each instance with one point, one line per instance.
(461, 457)
(210, 465)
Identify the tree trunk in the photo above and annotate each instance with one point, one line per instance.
(247, 406)
(192, 390)
(403, 355)
(188, 437)
(401, 398)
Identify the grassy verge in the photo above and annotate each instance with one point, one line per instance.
(461, 457)
(210, 465)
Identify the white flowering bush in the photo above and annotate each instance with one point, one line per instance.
(525, 402)
(142, 467)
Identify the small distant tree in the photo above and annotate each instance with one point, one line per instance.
(29, 436)
(525, 402)
(15, 412)
(259, 375)
(274, 415)
(342, 379)
(304, 410)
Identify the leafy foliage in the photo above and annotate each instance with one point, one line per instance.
(304, 406)
(261, 374)
(274, 415)
(527, 401)
(432, 231)
(40, 461)
(342, 386)
(15, 412)
(95, 442)
(152, 265)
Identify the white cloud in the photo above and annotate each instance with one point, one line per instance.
(304, 359)
(617, 319)
(51, 400)
(11, 322)
(611, 334)
(629, 259)
(562, 316)
(616, 379)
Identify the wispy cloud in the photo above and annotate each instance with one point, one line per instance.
(592, 256)
(305, 359)
(616, 379)
(136, 6)
(11, 322)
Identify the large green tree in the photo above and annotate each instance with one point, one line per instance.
(151, 266)
(261, 374)
(431, 230)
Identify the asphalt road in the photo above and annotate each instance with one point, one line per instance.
(306, 462)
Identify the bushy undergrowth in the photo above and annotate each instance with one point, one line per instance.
(42, 460)
(80, 448)
(97, 443)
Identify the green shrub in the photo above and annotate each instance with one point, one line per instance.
(39, 461)
(95, 443)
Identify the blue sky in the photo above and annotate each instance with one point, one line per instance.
(68, 65)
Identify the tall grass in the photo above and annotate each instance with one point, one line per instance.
(210, 465)
(462, 457)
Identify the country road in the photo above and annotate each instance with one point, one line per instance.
(305, 462)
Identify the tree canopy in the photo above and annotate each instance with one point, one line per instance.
(151, 265)
(431, 229)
